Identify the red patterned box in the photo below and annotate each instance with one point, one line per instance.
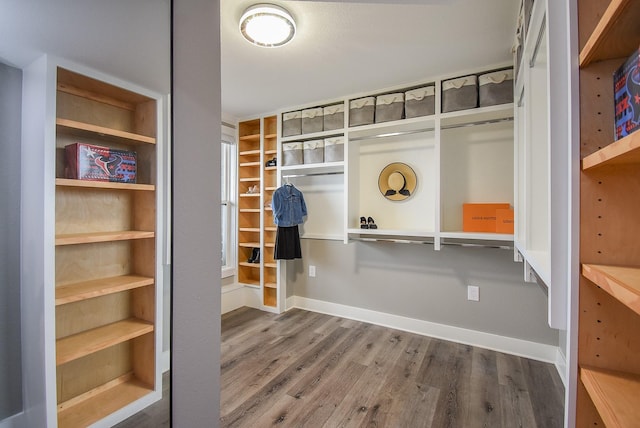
(97, 163)
(626, 93)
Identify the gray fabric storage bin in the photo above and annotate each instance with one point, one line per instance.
(389, 107)
(333, 117)
(313, 151)
(496, 88)
(312, 120)
(291, 123)
(420, 102)
(459, 94)
(361, 111)
(292, 153)
(334, 149)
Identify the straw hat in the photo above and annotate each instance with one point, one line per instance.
(397, 181)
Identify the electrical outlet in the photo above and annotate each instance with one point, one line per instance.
(473, 293)
(312, 271)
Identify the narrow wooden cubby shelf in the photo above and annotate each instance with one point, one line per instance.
(270, 229)
(268, 209)
(249, 195)
(616, 35)
(249, 244)
(270, 152)
(624, 151)
(622, 283)
(84, 129)
(615, 395)
(250, 164)
(270, 136)
(79, 345)
(270, 188)
(248, 179)
(76, 292)
(271, 168)
(270, 244)
(252, 137)
(90, 238)
(249, 229)
(249, 152)
(270, 285)
(102, 401)
(251, 265)
(271, 265)
(66, 182)
(250, 210)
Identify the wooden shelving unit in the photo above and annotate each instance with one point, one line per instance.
(270, 268)
(608, 391)
(105, 255)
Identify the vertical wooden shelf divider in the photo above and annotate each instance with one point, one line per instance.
(105, 255)
(609, 321)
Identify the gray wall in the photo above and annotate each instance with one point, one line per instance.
(415, 281)
(10, 355)
(195, 352)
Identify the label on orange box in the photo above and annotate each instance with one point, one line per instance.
(504, 221)
(481, 217)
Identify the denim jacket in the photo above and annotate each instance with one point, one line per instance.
(288, 206)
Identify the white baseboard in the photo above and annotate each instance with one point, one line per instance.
(14, 421)
(561, 366)
(233, 297)
(165, 361)
(509, 345)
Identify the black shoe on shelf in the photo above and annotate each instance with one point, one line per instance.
(363, 223)
(371, 223)
(255, 255)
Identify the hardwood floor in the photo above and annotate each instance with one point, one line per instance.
(304, 369)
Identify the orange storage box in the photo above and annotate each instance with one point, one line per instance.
(481, 217)
(504, 221)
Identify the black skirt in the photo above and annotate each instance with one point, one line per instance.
(287, 244)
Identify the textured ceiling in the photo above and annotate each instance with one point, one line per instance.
(342, 47)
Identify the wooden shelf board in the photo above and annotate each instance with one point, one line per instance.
(616, 35)
(249, 244)
(80, 128)
(249, 152)
(268, 209)
(79, 345)
(70, 293)
(271, 265)
(270, 188)
(270, 152)
(270, 229)
(615, 395)
(245, 179)
(243, 164)
(66, 182)
(101, 402)
(270, 136)
(271, 285)
(249, 229)
(624, 151)
(251, 137)
(89, 238)
(270, 168)
(251, 265)
(250, 283)
(622, 283)
(250, 210)
(269, 244)
(249, 195)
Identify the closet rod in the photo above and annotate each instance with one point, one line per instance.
(312, 174)
(393, 134)
(480, 122)
(442, 242)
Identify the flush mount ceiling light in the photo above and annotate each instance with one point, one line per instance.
(267, 25)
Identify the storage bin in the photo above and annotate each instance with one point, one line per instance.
(313, 151)
(361, 111)
(291, 123)
(420, 102)
(312, 120)
(292, 153)
(496, 88)
(333, 117)
(389, 107)
(459, 94)
(334, 149)
(98, 163)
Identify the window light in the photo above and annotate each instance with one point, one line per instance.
(267, 25)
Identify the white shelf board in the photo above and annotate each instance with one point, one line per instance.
(391, 128)
(314, 136)
(391, 233)
(313, 168)
(480, 114)
(478, 236)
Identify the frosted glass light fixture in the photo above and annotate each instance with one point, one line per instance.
(267, 25)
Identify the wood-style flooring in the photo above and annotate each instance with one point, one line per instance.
(304, 369)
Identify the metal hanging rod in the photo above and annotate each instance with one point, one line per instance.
(443, 242)
(480, 122)
(312, 174)
(393, 134)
